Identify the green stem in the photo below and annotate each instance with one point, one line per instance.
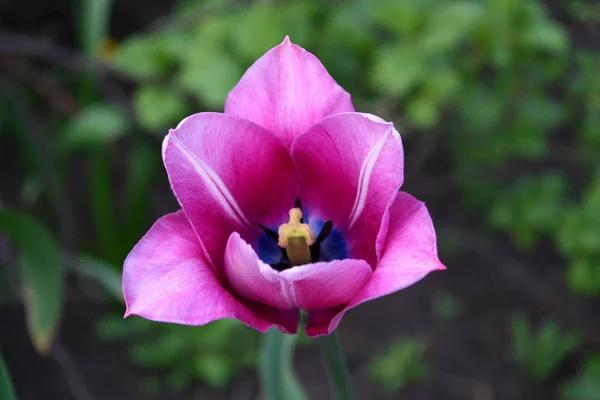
(336, 365)
(102, 204)
(7, 390)
(276, 370)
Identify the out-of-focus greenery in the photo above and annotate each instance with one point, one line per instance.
(7, 391)
(42, 275)
(446, 306)
(212, 353)
(400, 365)
(497, 85)
(541, 351)
(586, 385)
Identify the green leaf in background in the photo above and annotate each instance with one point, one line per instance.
(398, 69)
(450, 26)
(529, 210)
(42, 275)
(401, 364)
(142, 57)
(215, 369)
(7, 391)
(423, 111)
(158, 108)
(104, 273)
(210, 73)
(187, 352)
(583, 275)
(577, 239)
(402, 17)
(276, 370)
(442, 84)
(446, 306)
(586, 385)
(94, 125)
(540, 351)
(547, 36)
(258, 29)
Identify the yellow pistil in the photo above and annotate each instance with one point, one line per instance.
(296, 238)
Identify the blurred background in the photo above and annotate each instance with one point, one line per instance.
(498, 104)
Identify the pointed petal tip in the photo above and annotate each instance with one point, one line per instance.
(287, 40)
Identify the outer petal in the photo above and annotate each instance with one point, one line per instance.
(410, 253)
(228, 174)
(166, 278)
(350, 167)
(287, 91)
(309, 287)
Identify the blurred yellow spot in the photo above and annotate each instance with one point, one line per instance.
(107, 49)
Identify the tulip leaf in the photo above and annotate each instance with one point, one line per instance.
(210, 73)
(157, 107)
(103, 272)
(42, 275)
(7, 391)
(94, 125)
(276, 371)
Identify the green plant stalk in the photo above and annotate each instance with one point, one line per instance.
(336, 366)
(276, 371)
(102, 205)
(93, 21)
(7, 391)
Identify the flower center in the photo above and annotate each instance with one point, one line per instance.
(296, 238)
(294, 243)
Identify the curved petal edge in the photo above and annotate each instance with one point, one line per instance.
(309, 287)
(166, 278)
(409, 254)
(287, 91)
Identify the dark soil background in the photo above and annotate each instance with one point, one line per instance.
(468, 356)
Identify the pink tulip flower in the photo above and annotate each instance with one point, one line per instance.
(289, 201)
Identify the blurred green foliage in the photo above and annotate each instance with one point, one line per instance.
(540, 351)
(586, 385)
(42, 275)
(514, 102)
(446, 306)
(401, 364)
(212, 354)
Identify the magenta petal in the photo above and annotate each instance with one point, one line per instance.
(327, 284)
(309, 287)
(350, 167)
(228, 174)
(409, 254)
(166, 278)
(287, 91)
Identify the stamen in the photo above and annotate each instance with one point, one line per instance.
(296, 238)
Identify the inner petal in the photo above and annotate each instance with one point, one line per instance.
(309, 287)
(227, 173)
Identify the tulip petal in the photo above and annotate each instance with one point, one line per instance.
(287, 91)
(350, 167)
(410, 253)
(309, 287)
(229, 174)
(166, 278)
